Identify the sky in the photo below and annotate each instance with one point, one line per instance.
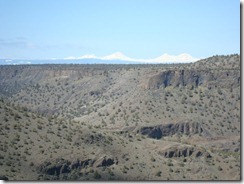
(44, 29)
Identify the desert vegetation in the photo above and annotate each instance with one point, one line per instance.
(121, 122)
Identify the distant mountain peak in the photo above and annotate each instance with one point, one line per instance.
(182, 58)
(117, 56)
(88, 56)
(165, 58)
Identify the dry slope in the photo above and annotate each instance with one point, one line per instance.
(121, 122)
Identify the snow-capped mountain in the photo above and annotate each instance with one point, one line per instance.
(182, 58)
(165, 58)
(115, 58)
(88, 56)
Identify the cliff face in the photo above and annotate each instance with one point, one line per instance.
(61, 168)
(207, 78)
(185, 152)
(163, 130)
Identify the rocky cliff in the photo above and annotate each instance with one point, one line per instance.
(159, 131)
(61, 168)
(195, 78)
(186, 151)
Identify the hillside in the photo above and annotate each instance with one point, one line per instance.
(121, 122)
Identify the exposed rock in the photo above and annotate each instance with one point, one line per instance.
(105, 162)
(55, 167)
(61, 166)
(184, 152)
(160, 131)
(79, 164)
(65, 169)
(3, 177)
(193, 77)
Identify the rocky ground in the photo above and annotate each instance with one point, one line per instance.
(121, 122)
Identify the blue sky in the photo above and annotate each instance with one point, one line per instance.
(44, 29)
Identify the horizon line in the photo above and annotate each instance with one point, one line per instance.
(184, 57)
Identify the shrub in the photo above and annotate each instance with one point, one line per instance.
(153, 159)
(39, 127)
(158, 173)
(219, 91)
(5, 119)
(170, 164)
(97, 175)
(181, 164)
(220, 168)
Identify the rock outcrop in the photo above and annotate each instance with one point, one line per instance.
(61, 166)
(56, 167)
(105, 162)
(193, 77)
(3, 177)
(163, 130)
(185, 152)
